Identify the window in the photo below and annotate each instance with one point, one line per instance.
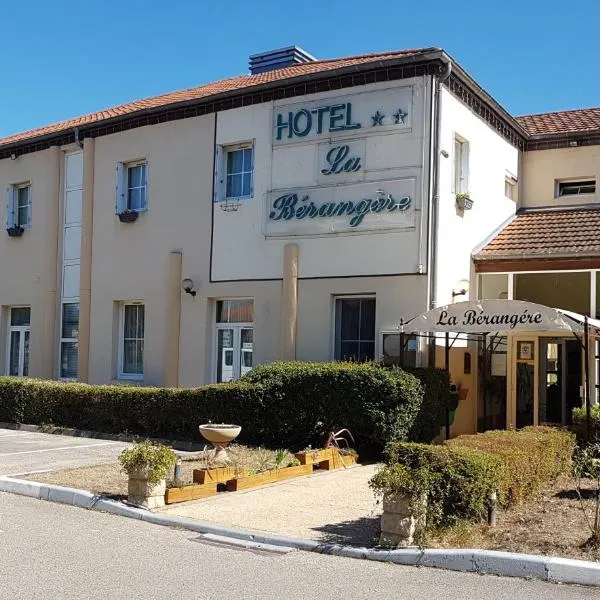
(461, 166)
(19, 328)
(239, 166)
(510, 186)
(131, 355)
(575, 188)
(68, 340)
(19, 205)
(399, 349)
(355, 329)
(132, 186)
(234, 345)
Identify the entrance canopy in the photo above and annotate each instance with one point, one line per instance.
(499, 316)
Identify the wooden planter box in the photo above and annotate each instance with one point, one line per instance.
(338, 461)
(297, 471)
(190, 492)
(314, 456)
(220, 475)
(250, 481)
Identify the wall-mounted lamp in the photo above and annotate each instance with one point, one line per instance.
(461, 289)
(188, 286)
(13, 156)
(444, 153)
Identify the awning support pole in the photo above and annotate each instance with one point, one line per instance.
(447, 366)
(588, 406)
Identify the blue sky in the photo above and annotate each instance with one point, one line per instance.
(64, 58)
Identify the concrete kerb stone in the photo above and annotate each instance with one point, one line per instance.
(546, 568)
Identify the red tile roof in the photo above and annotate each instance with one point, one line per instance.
(547, 234)
(568, 121)
(231, 84)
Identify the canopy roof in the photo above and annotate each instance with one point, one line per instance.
(498, 316)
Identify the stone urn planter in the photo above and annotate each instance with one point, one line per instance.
(220, 436)
(142, 492)
(403, 519)
(147, 466)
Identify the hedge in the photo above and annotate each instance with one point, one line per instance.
(288, 405)
(531, 457)
(306, 401)
(580, 423)
(459, 475)
(457, 481)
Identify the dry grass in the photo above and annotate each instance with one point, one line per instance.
(553, 524)
(109, 480)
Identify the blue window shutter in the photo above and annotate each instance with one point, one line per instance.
(218, 182)
(10, 206)
(145, 205)
(120, 204)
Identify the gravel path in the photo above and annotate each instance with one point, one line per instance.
(336, 506)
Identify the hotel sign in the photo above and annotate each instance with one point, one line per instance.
(365, 113)
(382, 205)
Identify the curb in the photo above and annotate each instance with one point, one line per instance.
(508, 564)
(114, 437)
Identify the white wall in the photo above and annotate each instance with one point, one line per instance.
(490, 158)
(392, 159)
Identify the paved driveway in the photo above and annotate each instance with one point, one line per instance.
(24, 452)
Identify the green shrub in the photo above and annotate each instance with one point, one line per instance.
(457, 481)
(580, 423)
(156, 459)
(436, 386)
(279, 405)
(531, 457)
(306, 401)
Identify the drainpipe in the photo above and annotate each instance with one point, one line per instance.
(77, 140)
(442, 77)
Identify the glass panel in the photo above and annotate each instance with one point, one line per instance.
(350, 319)
(235, 311)
(134, 175)
(133, 339)
(70, 320)
(26, 355)
(551, 385)
(224, 355)
(235, 161)
(569, 291)
(349, 351)
(133, 357)
(246, 184)
(366, 351)
(134, 198)
(13, 359)
(493, 286)
(492, 379)
(392, 354)
(524, 394)
(20, 316)
(367, 319)
(68, 360)
(247, 348)
(23, 216)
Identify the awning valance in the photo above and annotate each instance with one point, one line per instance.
(496, 316)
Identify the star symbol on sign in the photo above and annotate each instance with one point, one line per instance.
(400, 116)
(378, 118)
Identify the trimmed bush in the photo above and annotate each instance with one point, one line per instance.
(580, 424)
(457, 481)
(531, 457)
(306, 401)
(437, 398)
(279, 405)
(459, 475)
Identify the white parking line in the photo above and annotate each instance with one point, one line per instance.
(56, 449)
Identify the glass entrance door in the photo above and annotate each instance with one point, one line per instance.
(525, 368)
(560, 379)
(18, 342)
(234, 352)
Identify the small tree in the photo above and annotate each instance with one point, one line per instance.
(586, 466)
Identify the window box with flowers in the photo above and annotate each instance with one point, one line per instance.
(463, 201)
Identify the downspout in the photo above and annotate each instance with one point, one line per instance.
(443, 76)
(77, 139)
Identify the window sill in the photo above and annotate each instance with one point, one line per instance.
(126, 378)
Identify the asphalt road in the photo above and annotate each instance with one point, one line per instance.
(26, 452)
(56, 551)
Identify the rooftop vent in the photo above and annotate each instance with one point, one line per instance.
(278, 59)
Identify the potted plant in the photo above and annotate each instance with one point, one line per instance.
(147, 466)
(15, 231)
(128, 215)
(463, 201)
